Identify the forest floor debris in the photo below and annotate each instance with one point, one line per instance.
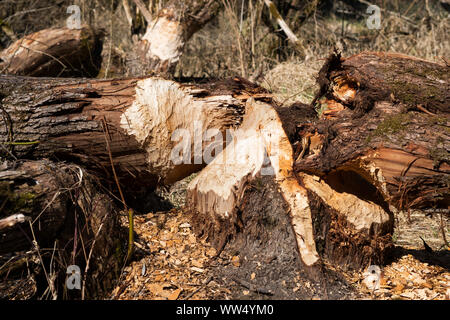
(172, 264)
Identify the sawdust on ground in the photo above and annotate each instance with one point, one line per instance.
(172, 264)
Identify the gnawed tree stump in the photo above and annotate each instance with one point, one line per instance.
(143, 124)
(261, 154)
(382, 136)
(53, 216)
(216, 193)
(55, 53)
(383, 119)
(163, 43)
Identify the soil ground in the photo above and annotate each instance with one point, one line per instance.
(171, 263)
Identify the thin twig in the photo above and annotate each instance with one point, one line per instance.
(130, 211)
(443, 232)
(203, 285)
(110, 40)
(89, 258)
(283, 25)
(126, 8)
(45, 54)
(252, 287)
(36, 246)
(147, 15)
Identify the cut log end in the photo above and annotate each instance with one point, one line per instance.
(55, 53)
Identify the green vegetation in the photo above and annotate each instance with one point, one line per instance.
(392, 124)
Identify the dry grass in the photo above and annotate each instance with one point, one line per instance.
(238, 42)
(293, 81)
(260, 55)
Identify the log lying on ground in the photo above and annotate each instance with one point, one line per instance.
(53, 216)
(162, 45)
(55, 53)
(138, 124)
(382, 136)
(385, 119)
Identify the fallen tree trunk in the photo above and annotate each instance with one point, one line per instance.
(150, 129)
(161, 47)
(384, 118)
(53, 216)
(55, 53)
(261, 157)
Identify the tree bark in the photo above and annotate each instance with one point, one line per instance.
(55, 53)
(161, 47)
(57, 216)
(136, 122)
(384, 117)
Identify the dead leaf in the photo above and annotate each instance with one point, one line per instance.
(174, 295)
(155, 288)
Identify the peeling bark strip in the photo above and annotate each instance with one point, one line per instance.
(63, 209)
(389, 131)
(55, 53)
(163, 43)
(70, 119)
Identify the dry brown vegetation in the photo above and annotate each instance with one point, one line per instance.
(239, 40)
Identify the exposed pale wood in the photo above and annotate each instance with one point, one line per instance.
(261, 134)
(163, 43)
(69, 119)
